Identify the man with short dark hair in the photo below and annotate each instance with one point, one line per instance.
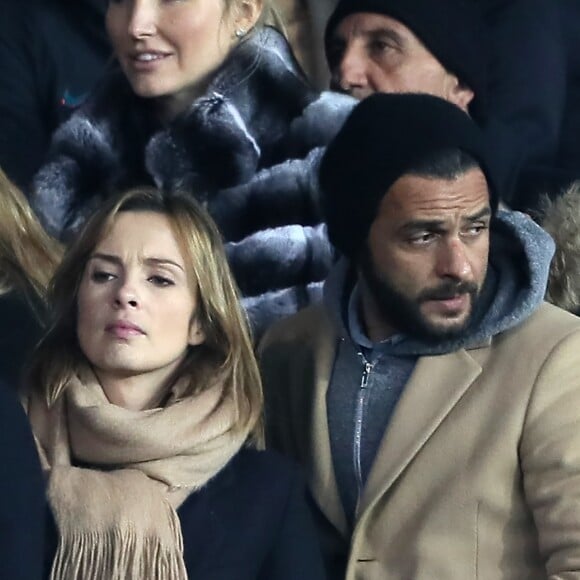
(410, 46)
(503, 61)
(434, 398)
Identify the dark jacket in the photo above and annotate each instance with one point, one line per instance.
(251, 522)
(22, 507)
(534, 92)
(247, 148)
(51, 54)
(21, 330)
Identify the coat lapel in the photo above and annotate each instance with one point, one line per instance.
(435, 387)
(322, 476)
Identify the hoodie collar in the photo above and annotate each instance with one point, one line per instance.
(519, 262)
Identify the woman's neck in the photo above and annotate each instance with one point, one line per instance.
(171, 106)
(136, 392)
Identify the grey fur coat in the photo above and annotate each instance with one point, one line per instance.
(248, 149)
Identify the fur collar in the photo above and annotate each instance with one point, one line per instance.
(244, 122)
(249, 148)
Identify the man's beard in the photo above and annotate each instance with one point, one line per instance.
(404, 313)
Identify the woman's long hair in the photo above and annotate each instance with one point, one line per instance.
(28, 255)
(227, 353)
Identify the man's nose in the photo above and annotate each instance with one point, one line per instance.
(351, 71)
(453, 261)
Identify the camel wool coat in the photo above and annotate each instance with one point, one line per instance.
(478, 474)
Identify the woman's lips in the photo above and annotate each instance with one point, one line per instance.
(124, 329)
(147, 60)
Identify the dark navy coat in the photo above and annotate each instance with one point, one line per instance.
(251, 522)
(22, 504)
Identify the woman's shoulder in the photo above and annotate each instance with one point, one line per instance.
(267, 460)
(263, 469)
(250, 474)
(232, 525)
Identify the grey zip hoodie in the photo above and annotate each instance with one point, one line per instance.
(368, 378)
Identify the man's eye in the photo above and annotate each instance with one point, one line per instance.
(100, 276)
(475, 230)
(422, 238)
(161, 281)
(378, 46)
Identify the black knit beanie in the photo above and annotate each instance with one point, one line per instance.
(385, 136)
(452, 30)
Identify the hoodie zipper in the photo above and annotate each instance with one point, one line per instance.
(359, 417)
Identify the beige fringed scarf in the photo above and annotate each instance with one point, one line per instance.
(117, 519)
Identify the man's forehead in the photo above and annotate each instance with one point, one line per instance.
(420, 195)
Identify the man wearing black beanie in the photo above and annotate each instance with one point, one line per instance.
(434, 398)
(421, 46)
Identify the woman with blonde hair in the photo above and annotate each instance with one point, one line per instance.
(146, 401)
(207, 97)
(28, 258)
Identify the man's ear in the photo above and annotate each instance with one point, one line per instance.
(459, 93)
(247, 13)
(196, 333)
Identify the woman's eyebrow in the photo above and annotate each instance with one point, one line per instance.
(163, 262)
(149, 261)
(106, 257)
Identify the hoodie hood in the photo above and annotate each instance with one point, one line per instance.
(519, 262)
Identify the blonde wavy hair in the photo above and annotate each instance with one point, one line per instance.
(28, 255)
(561, 219)
(227, 353)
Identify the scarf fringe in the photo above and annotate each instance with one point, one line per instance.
(120, 523)
(123, 553)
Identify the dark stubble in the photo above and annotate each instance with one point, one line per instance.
(404, 313)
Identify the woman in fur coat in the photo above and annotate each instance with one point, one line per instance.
(209, 99)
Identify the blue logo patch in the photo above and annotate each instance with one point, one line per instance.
(71, 101)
